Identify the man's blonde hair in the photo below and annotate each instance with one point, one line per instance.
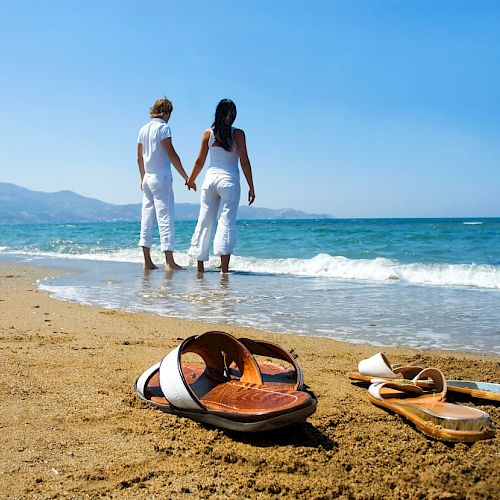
(160, 107)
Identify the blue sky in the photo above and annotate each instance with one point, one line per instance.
(353, 108)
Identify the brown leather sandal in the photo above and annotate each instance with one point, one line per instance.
(274, 374)
(428, 410)
(206, 392)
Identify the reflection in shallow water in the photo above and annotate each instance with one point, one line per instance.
(380, 314)
(203, 297)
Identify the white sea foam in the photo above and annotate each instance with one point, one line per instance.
(380, 269)
(325, 266)
(481, 276)
(472, 223)
(120, 255)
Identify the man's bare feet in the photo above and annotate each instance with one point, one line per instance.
(200, 267)
(148, 263)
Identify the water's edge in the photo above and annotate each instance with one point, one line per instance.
(385, 314)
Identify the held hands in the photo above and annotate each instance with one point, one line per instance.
(251, 196)
(190, 184)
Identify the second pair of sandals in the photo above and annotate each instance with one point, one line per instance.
(232, 388)
(419, 395)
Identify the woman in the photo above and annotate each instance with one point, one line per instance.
(222, 184)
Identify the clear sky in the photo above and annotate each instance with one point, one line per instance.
(357, 108)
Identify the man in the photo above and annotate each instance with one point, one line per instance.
(155, 154)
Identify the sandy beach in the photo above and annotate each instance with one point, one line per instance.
(71, 425)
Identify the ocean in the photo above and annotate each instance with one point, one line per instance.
(428, 283)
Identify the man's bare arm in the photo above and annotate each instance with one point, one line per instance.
(174, 157)
(140, 162)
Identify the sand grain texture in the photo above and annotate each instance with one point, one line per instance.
(71, 426)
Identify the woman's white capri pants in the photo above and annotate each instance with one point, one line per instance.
(218, 191)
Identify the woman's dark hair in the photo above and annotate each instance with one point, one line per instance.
(225, 114)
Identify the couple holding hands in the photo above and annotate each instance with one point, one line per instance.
(155, 154)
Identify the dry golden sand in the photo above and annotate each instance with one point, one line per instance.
(72, 427)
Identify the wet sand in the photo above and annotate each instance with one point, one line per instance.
(71, 425)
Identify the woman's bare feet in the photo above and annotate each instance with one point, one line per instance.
(170, 264)
(173, 267)
(201, 266)
(224, 263)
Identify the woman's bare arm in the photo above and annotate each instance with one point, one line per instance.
(200, 161)
(241, 143)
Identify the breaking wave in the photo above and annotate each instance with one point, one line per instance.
(322, 265)
(380, 269)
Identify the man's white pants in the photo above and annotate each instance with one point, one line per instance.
(218, 191)
(157, 203)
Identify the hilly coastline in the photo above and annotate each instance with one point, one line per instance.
(19, 205)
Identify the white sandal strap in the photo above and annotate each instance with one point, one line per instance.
(173, 385)
(437, 376)
(144, 378)
(376, 366)
(377, 385)
(211, 347)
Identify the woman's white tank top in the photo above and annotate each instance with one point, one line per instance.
(222, 160)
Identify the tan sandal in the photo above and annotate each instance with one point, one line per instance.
(428, 410)
(378, 366)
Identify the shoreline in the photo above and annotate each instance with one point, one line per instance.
(72, 425)
(356, 311)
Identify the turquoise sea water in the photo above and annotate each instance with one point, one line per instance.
(464, 241)
(419, 282)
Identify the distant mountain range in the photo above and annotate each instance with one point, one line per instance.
(19, 205)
